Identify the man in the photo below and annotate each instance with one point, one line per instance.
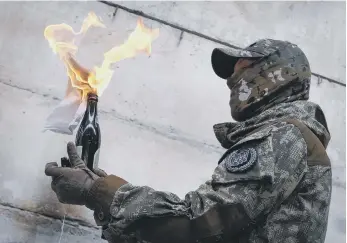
(273, 184)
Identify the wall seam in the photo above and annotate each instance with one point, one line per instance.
(79, 222)
(166, 132)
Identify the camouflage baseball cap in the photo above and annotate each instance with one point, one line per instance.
(224, 59)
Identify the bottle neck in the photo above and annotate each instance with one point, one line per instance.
(92, 105)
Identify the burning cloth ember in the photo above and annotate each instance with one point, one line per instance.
(62, 38)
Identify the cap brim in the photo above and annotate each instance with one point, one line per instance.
(224, 59)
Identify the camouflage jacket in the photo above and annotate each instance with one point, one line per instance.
(273, 184)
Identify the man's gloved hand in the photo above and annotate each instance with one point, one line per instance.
(72, 184)
(80, 186)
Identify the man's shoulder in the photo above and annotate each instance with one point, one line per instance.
(280, 133)
(279, 146)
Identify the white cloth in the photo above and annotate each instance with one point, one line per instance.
(68, 114)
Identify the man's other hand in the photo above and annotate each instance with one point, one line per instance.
(72, 184)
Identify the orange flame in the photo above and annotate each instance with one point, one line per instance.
(62, 39)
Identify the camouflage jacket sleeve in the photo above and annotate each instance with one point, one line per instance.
(255, 176)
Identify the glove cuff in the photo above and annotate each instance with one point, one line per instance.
(100, 197)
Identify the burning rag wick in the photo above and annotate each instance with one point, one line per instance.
(62, 38)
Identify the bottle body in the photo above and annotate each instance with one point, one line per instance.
(88, 137)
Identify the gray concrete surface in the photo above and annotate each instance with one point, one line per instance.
(156, 117)
(315, 25)
(24, 226)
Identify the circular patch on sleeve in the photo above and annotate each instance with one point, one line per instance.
(241, 160)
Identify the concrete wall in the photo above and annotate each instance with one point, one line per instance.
(318, 27)
(156, 116)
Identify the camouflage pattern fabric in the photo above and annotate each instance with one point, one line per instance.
(281, 73)
(309, 113)
(287, 199)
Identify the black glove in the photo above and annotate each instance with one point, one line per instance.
(72, 184)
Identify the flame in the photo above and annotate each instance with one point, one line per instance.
(62, 38)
